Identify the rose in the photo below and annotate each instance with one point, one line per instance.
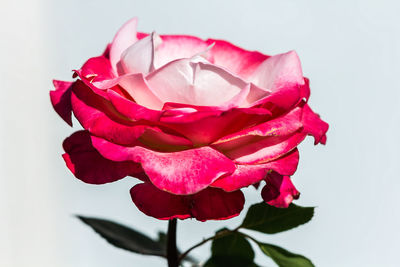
(196, 121)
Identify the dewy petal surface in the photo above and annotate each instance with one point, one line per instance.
(209, 204)
(182, 172)
(86, 163)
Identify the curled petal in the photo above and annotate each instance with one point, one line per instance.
(125, 37)
(265, 150)
(281, 126)
(194, 81)
(246, 175)
(96, 69)
(209, 204)
(182, 172)
(199, 124)
(86, 163)
(61, 100)
(314, 126)
(278, 72)
(136, 87)
(132, 110)
(139, 57)
(279, 190)
(97, 115)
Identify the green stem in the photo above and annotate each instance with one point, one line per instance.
(216, 236)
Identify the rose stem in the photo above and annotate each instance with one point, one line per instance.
(172, 252)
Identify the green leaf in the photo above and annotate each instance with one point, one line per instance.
(270, 220)
(284, 258)
(231, 250)
(126, 238)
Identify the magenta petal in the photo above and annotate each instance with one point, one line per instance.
(159, 204)
(265, 150)
(314, 126)
(125, 37)
(281, 126)
(97, 69)
(209, 204)
(99, 117)
(215, 204)
(279, 190)
(246, 175)
(183, 172)
(131, 109)
(61, 100)
(86, 163)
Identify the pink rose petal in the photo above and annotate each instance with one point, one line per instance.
(246, 175)
(209, 204)
(314, 126)
(139, 57)
(279, 190)
(233, 58)
(175, 47)
(86, 163)
(182, 173)
(191, 81)
(61, 100)
(125, 37)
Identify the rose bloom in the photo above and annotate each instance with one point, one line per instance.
(196, 121)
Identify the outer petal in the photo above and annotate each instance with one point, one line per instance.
(190, 81)
(233, 58)
(98, 116)
(215, 204)
(246, 175)
(137, 88)
(200, 125)
(159, 204)
(265, 150)
(279, 191)
(182, 173)
(86, 163)
(131, 109)
(96, 69)
(209, 204)
(281, 126)
(314, 126)
(61, 100)
(125, 37)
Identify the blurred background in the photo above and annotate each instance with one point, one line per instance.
(349, 49)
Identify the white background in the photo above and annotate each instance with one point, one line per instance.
(349, 49)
